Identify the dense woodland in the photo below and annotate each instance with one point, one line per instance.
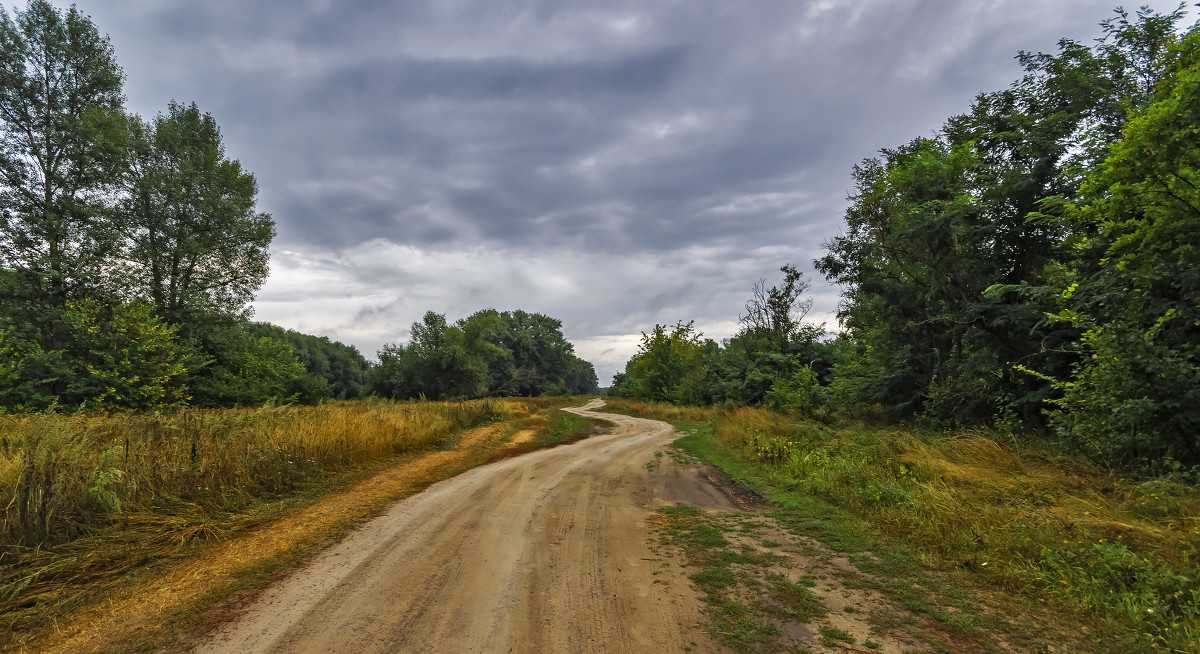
(130, 250)
(1034, 264)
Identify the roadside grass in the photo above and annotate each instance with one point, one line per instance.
(561, 429)
(981, 534)
(94, 505)
(706, 548)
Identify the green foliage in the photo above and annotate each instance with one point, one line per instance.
(441, 360)
(114, 355)
(29, 376)
(487, 353)
(245, 370)
(669, 365)
(335, 370)
(1135, 396)
(536, 358)
(61, 157)
(127, 248)
(197, 247)
(957, 247)
(123, 356)
(801, 394)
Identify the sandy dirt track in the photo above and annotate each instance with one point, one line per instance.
(546, 552)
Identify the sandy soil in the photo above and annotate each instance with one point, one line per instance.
(546, 552)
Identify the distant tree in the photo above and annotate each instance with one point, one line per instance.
(536, 358)
(198, 244)
(580, 378)
(440, 360)
(778, 312)
(341, 368)
(62, 156)
(670, 365)
(243, 369)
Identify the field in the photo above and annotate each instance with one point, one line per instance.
(95, 505)
(976, 530)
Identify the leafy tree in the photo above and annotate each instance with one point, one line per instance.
(198, 245)
(30, 377)
(580, 378)
(242, 369)
(670, 365)
(341, 368)
(441, 360)
(536, 358)
(116, 356)
(61, 159)
(952, 259)
(123, 356)
(1136, 394)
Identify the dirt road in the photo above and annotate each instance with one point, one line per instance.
(546, 552)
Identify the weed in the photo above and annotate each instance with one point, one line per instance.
(979, 510)
(830, 636)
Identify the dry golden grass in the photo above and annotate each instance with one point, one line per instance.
(131, 615)
(93, 504)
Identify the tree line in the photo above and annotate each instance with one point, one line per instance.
(1035, 263)
(131, 248)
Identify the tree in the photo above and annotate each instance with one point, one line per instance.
(778, 312)
(441, 360)
(244, 369)
(954, 250)
(1135, 396)
(340, 367)
(61, 158)
(198, 245)
(536, 358)
(580, 378)
(670, 365)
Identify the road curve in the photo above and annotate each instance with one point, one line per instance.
(545, 552)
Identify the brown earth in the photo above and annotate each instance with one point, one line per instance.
(546, 552)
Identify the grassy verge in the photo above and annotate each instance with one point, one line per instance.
(185, 486)
(984, 537)
(560, 429)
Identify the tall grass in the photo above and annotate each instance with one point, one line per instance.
(1123, 554)
(63, 475)
(92, 504)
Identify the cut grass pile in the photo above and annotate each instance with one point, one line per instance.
(1112, 559)
(95, 504)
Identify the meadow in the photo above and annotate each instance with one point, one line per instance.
(95, 503)
(1032, 533)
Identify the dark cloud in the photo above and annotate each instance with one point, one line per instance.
(614, 164)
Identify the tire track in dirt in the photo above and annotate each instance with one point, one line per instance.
(543, 552)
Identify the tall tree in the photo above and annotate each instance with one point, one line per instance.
(198, 244)
(536, 356)
(1135, 396)
(61, 157)
(953, 253)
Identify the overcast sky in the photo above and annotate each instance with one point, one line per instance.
(613, 164)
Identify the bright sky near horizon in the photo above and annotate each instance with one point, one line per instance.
(613, 164)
